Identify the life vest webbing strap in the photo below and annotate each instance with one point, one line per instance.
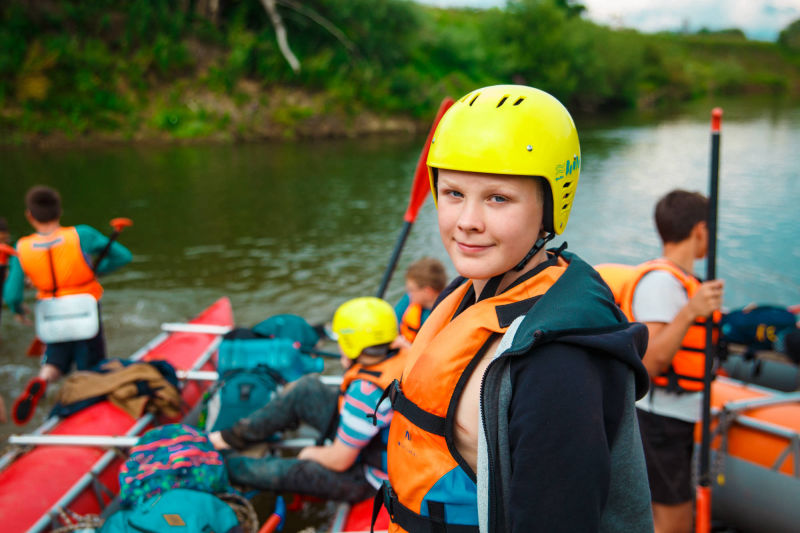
(373, 373)
(715, 324)
(52, 270)
(411, 521)
(421, 418)
(690, 349)
(672, 384)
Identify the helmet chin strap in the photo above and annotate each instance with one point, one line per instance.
(538, 245)
(490, 289)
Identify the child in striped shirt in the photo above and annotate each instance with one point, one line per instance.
(353, 465)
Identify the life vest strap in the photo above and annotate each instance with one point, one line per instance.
(673, 385)
(421, 418)
(411, 521)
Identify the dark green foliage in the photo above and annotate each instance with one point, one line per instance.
(789, 37)
(82, 66)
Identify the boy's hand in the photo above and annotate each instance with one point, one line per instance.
(22, 318)
(708, 298)
(215, 437)
(309, 453)
(400, 343)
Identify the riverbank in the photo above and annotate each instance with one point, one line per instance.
(84, 73)
(190, 113)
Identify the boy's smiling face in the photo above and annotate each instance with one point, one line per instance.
(488, 222)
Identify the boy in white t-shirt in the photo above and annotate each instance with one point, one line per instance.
(669, 300)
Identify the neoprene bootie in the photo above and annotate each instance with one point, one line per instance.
(25, 404)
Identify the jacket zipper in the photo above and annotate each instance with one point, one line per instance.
(537, 335)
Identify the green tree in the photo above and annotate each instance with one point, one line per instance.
(789, 38)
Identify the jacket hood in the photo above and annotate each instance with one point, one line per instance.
(579, 309)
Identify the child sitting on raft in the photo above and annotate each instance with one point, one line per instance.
(425, 279)
(353, 466)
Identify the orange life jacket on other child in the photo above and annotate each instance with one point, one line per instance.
(428, 482)
(56, 265)
(411, 322)
(688, 366)
(381, 374)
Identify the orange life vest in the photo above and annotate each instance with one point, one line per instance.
(381, 374)
(411, 322)
(688, 365)
(56, 265)
(429, 480)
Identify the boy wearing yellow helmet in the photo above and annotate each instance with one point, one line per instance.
(516, 407)
(352, 466)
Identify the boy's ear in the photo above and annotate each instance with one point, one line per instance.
(699, 228)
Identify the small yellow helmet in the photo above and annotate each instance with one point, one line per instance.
(517, 130)
(363, 322)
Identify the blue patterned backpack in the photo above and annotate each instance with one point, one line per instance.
(170, 457)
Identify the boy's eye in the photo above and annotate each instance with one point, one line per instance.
(498, 198)
(452, 193)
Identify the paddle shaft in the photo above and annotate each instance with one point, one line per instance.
(104, 252)
(419, 191)
(703, 522)
(398, 248)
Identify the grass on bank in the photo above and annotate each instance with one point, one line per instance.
(159, 69)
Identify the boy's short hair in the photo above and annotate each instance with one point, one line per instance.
(44, 203)
(427, 272)
(678, 212)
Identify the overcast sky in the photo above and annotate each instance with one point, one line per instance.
(759, 19)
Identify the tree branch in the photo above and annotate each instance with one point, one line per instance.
(322, 21)
(280, 33)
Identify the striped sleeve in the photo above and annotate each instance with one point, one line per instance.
(355, 429)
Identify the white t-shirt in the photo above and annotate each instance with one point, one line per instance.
(658, 297)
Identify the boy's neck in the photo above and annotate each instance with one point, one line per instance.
(46, 228)
(511, 276)
(369, 360)
(681, 253)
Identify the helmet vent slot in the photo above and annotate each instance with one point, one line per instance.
(519, 100)
(565, 196)
(473, 99)
(567, 184)
(502, 101)
(564, 206)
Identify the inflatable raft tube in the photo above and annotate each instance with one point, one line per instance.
(755, 461)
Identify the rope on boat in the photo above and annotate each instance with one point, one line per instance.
(244, 510)
(241, 506)
(75, 522)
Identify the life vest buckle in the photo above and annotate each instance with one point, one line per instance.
(389, 392)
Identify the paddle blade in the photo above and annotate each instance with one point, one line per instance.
(36, 348)
(6, 251)
(120, 223)
(421, 186)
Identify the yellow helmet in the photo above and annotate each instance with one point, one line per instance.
(517, 130)
(363, 322)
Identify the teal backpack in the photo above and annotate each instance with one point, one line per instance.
(178, 511)
(252, 364)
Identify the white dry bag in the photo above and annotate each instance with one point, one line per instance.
(74, 317)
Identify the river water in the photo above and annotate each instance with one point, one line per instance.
(301, 227)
